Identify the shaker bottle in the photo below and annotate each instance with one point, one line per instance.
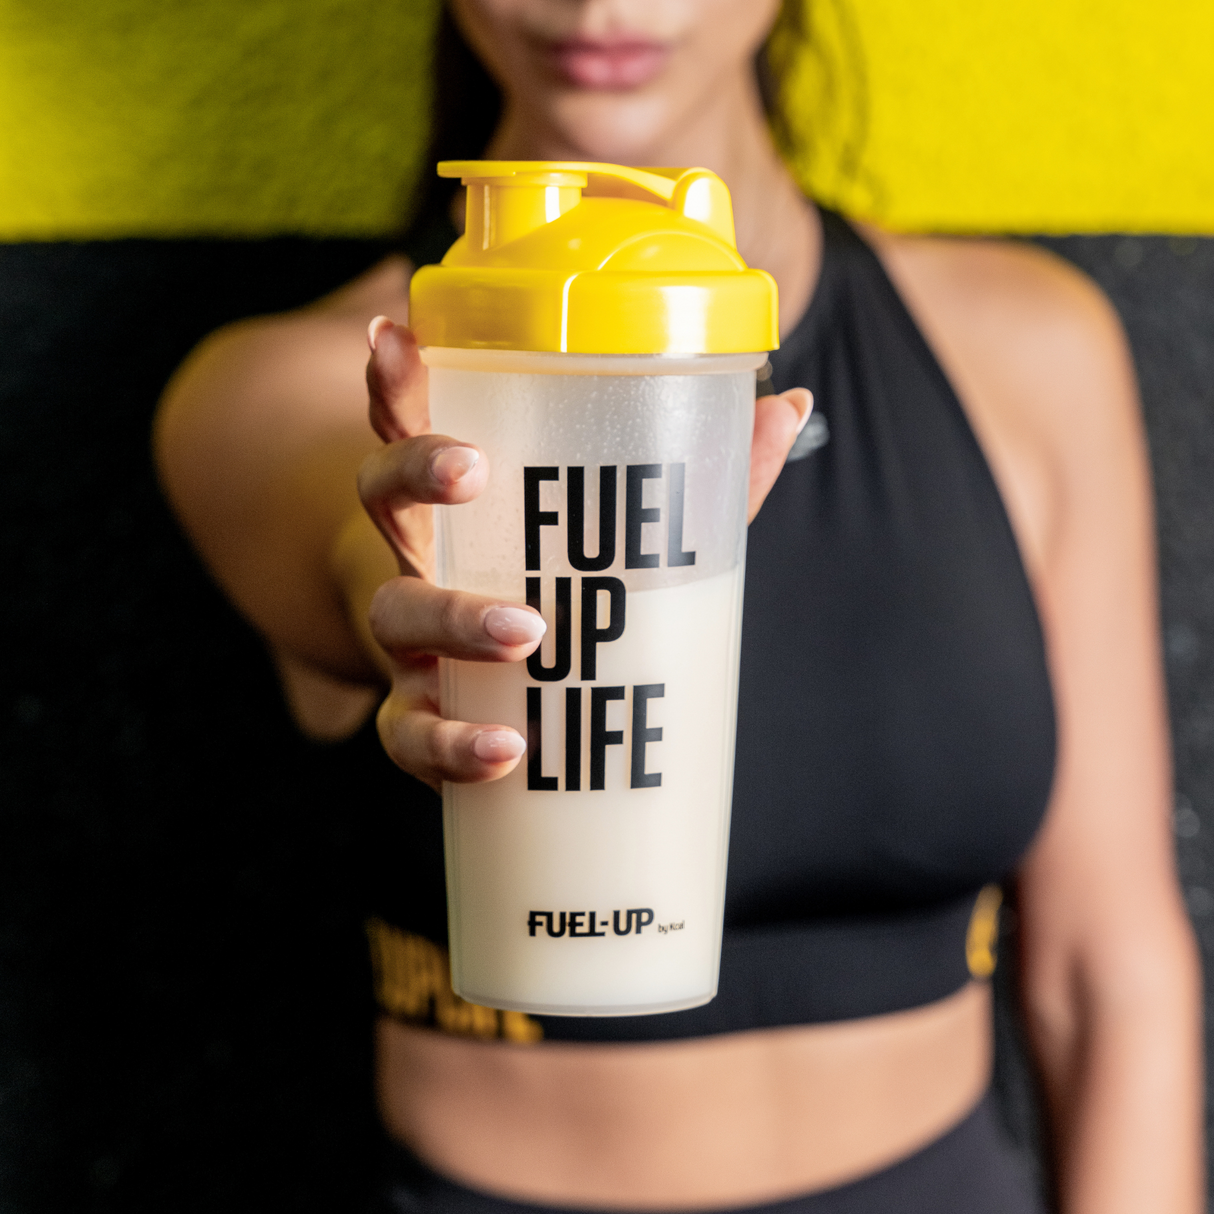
(596, 334)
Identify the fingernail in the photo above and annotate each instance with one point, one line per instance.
(452, 464)
(514, 626)
(375, 328)
(794, 397)
(498, 745)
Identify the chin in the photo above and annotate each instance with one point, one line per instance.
(615, 127)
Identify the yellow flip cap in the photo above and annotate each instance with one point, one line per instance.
(584, 258)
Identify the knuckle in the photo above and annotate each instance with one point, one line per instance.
(456, 617)
(389, 725)
(368, 479)
(444, 746)
(393, 475)
(406, 736)
(381, 614)
(391, 614)
(379, 483)
(425, 745)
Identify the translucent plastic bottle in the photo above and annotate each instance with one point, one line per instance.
(602, 351)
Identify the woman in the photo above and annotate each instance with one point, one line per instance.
(950, 672)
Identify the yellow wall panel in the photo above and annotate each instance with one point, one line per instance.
(213, 117)
(1029, 115)
(257, 117)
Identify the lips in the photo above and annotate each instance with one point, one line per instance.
(608, 64)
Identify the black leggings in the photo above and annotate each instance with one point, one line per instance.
(970, 1170)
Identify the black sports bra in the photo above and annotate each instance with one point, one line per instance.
(896, 740)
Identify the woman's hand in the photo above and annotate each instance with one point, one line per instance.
(414, 621)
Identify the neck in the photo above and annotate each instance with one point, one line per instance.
(777, 230)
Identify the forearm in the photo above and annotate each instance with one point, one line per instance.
(1121, 1063)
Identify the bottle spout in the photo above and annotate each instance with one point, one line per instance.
(501, 207)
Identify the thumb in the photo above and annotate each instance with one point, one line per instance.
(396, 382)
(778, 421)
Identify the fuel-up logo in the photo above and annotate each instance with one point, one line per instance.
(588, 923)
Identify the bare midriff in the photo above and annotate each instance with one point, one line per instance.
(732, 1120)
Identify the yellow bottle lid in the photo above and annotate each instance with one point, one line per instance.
(587, 258)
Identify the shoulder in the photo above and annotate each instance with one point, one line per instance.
(310, 332)
(1039, 359)
(296, 356)
(248, 385)
(1004, 273)
(1025, 315)
(385, 284)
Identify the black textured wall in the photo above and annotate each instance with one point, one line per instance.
(184, 995)
(183, 1015)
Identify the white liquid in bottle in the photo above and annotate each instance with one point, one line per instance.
(600, 894)
(513, 854)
